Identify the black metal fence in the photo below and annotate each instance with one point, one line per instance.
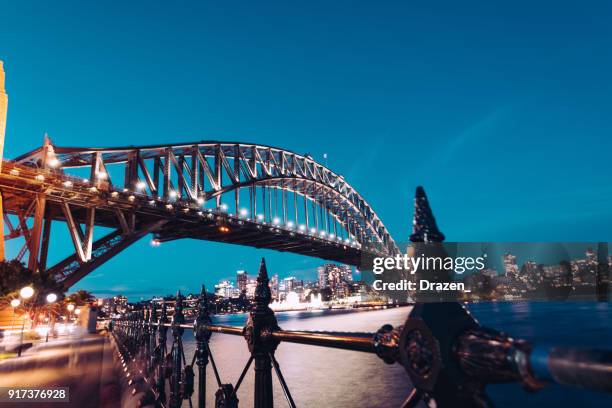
(449, 357)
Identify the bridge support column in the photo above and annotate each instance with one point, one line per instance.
(3, 112)
(34, 244)
(258, 333)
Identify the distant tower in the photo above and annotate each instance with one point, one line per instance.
(3, 112)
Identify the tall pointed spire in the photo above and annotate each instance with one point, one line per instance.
(203, 304)
(424, 227)
(263, 295)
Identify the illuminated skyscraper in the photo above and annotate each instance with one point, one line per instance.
(274, 286)
(511, 268)
(335, 277)
(241, 280)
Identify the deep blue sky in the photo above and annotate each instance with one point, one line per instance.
(502, 112)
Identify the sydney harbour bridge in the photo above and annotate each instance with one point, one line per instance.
(231, 192)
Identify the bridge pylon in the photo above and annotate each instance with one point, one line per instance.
(3, 115)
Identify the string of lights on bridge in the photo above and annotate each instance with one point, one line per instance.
(175, 203)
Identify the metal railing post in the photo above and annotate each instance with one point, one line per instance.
(258, 333)
(202, 335)
(146, 333)
(152, 333)
(177, 352)
(161, 354)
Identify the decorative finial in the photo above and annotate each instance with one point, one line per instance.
(203, 302)
(200, 326)
(178, 317)
(164, 313)
(263, 295)
(425, 228)
(178, 305)
(153, 313)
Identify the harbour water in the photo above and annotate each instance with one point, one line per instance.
(321, 377)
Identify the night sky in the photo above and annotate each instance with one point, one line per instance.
(502, 112)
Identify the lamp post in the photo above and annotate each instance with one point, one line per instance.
(70, 308)
(14, 303)
(51, 298)
(25, 293)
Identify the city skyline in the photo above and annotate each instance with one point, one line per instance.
(478, 131)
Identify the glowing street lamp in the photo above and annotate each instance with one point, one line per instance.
(70, 308)
(26, 292)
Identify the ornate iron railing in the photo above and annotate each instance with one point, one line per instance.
(449, 357)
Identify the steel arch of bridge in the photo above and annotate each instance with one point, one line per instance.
(234, 192)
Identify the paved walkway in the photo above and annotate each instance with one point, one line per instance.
(82, 363)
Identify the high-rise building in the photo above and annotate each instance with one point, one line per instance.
(274, 286)
(346, 272)
(511, 268)
(290, 283)
(120, 303)
(336, 277)
(322, 276)
(242, 280)
(226, 289)
(251, 286)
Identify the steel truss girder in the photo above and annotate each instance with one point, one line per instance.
(72, 269)
(210, 164)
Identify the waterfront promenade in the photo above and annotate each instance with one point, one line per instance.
(84, 363)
